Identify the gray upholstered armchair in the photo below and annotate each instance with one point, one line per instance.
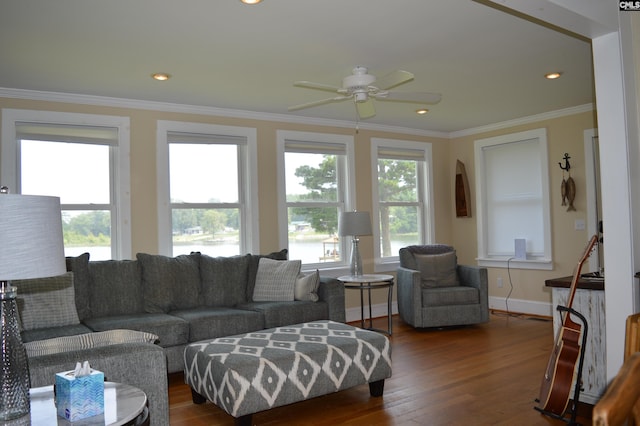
(434, 291)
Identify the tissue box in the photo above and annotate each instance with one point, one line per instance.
(79, 397)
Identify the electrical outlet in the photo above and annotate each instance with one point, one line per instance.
(499, 282)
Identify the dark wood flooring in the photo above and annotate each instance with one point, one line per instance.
(487, 374)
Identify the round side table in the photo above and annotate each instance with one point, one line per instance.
(370, 282)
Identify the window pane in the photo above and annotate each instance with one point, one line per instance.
(311, 177)
(77, 173)
(214, 232)
(312, 234)
(87, 231)
(398, 228)
(203, 173)
(397, 180)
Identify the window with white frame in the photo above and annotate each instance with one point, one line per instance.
(316, 185)
(512, 186)
(402, 194)
(81, 158)
(206, 186)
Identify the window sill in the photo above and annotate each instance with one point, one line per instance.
(510, 262)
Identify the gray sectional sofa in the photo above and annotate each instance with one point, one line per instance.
(180, 299)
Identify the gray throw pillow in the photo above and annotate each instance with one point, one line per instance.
(438, 270)
(47, 302)
(275, 280)
(170, 283)
(87, 341)
(306, 287)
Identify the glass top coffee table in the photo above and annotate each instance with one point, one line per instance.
(370, 282)
(123, 405)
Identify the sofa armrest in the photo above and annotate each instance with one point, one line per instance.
(476, 276)
(143, 365)
(331, 291)
(409, 295)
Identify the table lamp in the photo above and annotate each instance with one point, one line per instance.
(31, 246)
(355, 224)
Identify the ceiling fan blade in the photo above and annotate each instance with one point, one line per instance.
(413, 97)
(317, 86)
(393, 79)
(318, 103)
(365, 109)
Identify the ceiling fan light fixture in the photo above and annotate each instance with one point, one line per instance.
(250, 1)
(361, 96)
(160, 76)
(422, 111)
(553, 75)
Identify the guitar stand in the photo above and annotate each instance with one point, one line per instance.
(576, 394)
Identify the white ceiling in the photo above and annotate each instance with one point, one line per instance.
(487, 64)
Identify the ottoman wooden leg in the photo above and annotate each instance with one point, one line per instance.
(243, 420)
(376, 388)
(197, 398)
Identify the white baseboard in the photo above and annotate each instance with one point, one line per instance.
(377, 310)
(521, 306)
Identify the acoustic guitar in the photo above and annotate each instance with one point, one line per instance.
(557, 380)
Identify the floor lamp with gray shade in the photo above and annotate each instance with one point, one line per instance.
(31, 246)
(355, 224)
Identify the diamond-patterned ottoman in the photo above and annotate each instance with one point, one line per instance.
(252, 372)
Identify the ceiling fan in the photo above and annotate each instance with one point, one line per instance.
(363, 88)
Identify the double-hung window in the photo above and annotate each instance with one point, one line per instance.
(402, 197)
(316, 185)
(512, 193)
(207, 185)
(81, 158)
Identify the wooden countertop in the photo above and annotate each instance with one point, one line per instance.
(583, 283)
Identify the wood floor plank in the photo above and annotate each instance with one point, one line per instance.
(486, 374)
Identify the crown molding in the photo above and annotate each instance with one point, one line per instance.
(262, 116)
(524, 120)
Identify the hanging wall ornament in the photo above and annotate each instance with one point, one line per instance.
(568, 186)
(462, 195)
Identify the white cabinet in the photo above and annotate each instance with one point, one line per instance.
(589, 303)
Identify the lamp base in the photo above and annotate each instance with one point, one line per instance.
(355, 268)
(14, 369)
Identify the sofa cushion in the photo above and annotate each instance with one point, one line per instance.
(444, 296)
(277, 314)
(170, 282)
(47, 302)
(224, 279)
(171, 330)
(211, 322)
(275, 280)
(253, 267)
(438, 270)
(116, 288)
(79, 265)
(306, 287)
(87, 341)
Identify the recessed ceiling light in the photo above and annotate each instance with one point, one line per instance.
(422, 111)
(161, 76)
(250, 1)
(552, 75)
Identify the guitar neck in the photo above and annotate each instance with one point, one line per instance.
(576, 273)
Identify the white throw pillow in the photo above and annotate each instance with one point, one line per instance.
(306, 287)
(275, 280)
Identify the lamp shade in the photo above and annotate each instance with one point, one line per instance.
(354, 223)
(31, 244)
